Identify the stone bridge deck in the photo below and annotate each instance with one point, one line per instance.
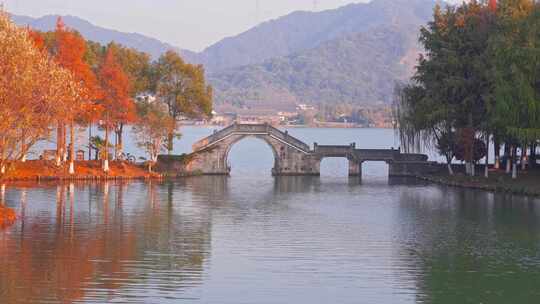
(291, 155)
(250, 130)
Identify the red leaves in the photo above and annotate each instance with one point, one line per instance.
(117, 104)
(69, 53)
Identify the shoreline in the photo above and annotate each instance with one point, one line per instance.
(498, 182)
(527, 184)
(41, 170)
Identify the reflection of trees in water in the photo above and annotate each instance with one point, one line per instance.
(99, 237)
(174, 242)
(471, 246)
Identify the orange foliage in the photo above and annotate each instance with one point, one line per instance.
(7, 217)
(38, 40)
(117, 105)
(70, 50)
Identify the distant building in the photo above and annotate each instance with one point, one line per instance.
(305, 107)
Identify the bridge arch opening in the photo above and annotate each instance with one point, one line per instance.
(249, 155)
(375, 171)
(334, 167)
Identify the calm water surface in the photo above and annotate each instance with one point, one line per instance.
(251, 238)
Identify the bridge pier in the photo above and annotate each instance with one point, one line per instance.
(355, 168)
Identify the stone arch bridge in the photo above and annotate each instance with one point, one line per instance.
(291, 155)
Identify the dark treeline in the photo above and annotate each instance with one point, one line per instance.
(477, 83)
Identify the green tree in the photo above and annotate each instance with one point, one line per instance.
(152, 128)
(182, 87)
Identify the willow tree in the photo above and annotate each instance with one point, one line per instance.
(516, 49)
(182, 87)
(451, 87)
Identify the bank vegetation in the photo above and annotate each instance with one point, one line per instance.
(476, 86)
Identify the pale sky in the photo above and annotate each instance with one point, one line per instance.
(189, 24)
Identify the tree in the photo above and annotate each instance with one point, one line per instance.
(69, 52)
(452, 87)
(152, 128)
(115, 102)
(32, 90)
(182, 87)
(517, 95)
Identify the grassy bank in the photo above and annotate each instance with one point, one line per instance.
(527, 183)
(36, 170)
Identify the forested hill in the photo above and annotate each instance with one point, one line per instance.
(353, 55)
(359, 68)
(99, 34)
(300, 31)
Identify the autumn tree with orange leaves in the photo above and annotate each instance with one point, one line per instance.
(69, 52)
(33, 90)
(116, 103)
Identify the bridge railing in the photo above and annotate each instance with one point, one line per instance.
(201, 144)
(288, 138)
(250, 129)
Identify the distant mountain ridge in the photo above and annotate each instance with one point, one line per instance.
(353, 54)
(302, 30)
(359, 68)
(143, 43)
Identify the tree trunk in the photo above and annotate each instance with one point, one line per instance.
(115, 144)
(59, 151)
(23, 147)
(523, 158)
(64, 143)
(89, 141)
(514, 163)
(532, 156)
(470, 156)
(71, 148)
(170, 138)
(508, 158)
(106, 152)
(119, 140)
(497, 147)
(450, 170)
(486, 168)
(3, 194)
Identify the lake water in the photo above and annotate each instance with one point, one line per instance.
(252, 238)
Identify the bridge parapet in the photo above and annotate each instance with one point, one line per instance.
(284, 136)
(250, 129)
(334, 150)
(376, 154)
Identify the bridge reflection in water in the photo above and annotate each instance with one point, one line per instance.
(291, 155)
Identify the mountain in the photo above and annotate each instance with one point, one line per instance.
(359, 68)
(102, 35)
(300, 31)
(354, 55)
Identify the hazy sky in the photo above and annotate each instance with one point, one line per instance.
(189, 24)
